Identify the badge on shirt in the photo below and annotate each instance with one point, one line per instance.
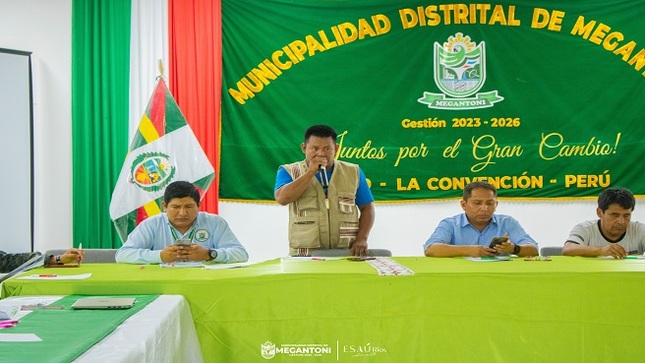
(202, 235)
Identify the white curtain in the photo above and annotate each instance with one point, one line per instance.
(148, 45)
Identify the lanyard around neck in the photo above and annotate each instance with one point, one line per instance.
(174, 234)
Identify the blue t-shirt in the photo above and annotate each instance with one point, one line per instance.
(457, 230)
(363, 193)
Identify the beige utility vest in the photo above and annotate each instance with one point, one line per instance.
(311, 224)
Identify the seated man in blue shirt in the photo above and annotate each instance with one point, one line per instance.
(154, 239)
(470, 233)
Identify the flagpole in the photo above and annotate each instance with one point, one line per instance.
(160, 69)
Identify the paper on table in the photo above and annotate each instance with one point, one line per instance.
(312, 258)
(12, 305)
(628, 257)
(386, 267)
(222, 266)
(489, 258)
(21, 337)
(182, 264)
(29, 300)
(55, 277)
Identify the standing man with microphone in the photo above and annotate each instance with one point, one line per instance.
(330, 203)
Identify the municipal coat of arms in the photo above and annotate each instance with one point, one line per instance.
(459, 73)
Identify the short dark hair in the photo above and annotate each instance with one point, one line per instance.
(181, 189)
(620, 196)
(468, 189)
(320, 131)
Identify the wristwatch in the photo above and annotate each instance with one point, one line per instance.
(212, 253)
(516, 250)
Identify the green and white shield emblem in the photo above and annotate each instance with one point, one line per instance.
(460, 72)
(459, 66)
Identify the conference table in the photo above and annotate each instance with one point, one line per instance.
(569, 309)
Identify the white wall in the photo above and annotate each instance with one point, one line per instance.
(44, 28)
(403, 228)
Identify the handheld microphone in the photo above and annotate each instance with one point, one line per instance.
(323, 176)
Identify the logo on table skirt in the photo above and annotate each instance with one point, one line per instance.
(459, 72)
(152, 171)
(270, 350)
(364, 350)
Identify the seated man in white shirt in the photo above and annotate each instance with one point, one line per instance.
(613, 234)
(205, 236)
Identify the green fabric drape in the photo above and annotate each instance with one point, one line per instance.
(398, 80)
(74, 332)
(100, 75)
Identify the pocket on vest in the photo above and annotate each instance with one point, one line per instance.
(348, 233)
(346, 203)
(307, 206)
(304, 234)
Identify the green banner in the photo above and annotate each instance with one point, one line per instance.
(543, 100)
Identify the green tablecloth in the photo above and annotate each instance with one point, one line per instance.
(66, 333)
(571, 309)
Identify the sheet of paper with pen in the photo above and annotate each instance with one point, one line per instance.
(628, 257)
(18, 306)
(182, 264)
(224, 266)
(488, 258)
(55, 277)
(311, 258)
(206, 266)
(14, 309)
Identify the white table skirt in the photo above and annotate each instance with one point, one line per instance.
(163, 331)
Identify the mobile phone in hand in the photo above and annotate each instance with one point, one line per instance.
(183, 242)
(497, 241)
